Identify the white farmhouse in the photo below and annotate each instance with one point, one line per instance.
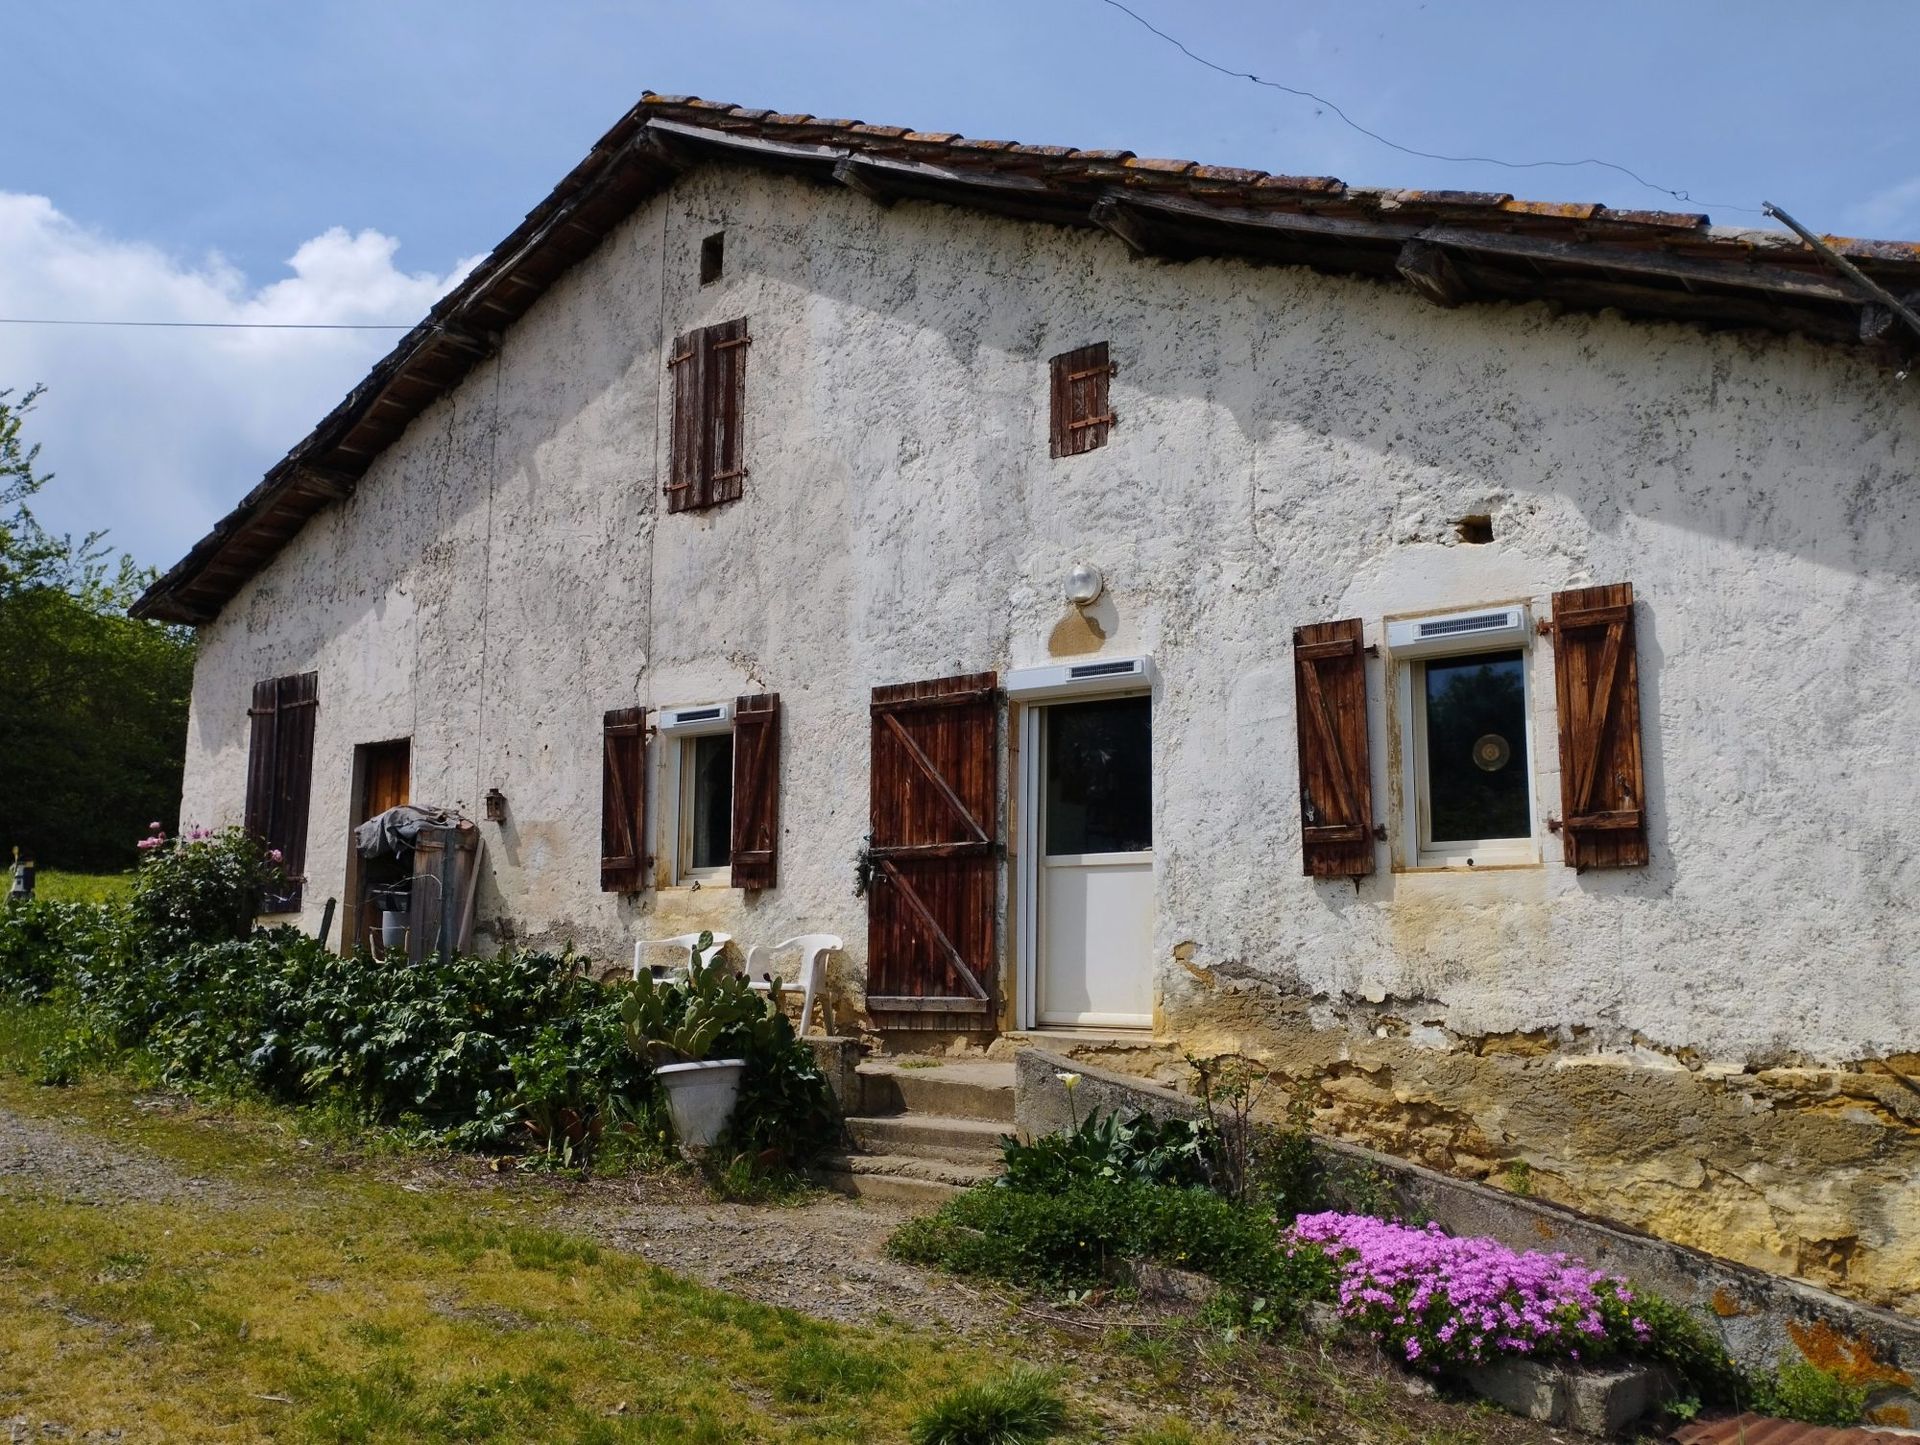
(1461, 650)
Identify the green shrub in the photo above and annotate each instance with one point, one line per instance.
(204, 887)
(42, 943)
(1677, 1338)
(1022, 1408)
(1077, 1239)
(1108, 1147)
(1802, 1390)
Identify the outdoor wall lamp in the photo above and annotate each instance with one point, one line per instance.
(496, 806)
(1085, 584)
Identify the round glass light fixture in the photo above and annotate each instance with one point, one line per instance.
(1084, 584)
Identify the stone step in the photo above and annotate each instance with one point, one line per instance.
(929, 1136)
(901, 1178)
(964, 1089)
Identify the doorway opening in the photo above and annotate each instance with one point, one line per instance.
(382, 779)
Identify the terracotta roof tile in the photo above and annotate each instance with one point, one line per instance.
(1688, 220)
(882, 132)
(800, 119)
(1328, 185)
(932, 137)
(747, 112)
(1160, 167)
(1027, 150)
(1457, 198)
(1104, 155)
(1238, 175)
(969, 143)
(1564, 210)
(699, 104)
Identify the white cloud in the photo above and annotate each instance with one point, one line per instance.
(153, 433)
(1890, 213)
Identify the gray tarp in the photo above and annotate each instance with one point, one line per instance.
(388, 834)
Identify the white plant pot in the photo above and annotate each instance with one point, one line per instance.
(700, 1099)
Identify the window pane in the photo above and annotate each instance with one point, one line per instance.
(712, 761)
(1100, 776)
(1477, 772)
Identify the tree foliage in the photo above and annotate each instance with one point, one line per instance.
(93, 704)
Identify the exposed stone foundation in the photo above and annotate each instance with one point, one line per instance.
(1803, 1171)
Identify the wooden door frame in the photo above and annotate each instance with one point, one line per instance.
(352, 904)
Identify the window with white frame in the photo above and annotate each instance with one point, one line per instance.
(1467, 738)
(700, 757)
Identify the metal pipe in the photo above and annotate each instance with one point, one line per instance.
(1846, 267)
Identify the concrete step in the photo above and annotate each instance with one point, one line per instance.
(929, 1136)
(901, 1178)
(965, 1089)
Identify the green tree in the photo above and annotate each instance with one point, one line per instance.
(93, 704)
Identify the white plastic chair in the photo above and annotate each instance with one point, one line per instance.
(685, 941)
(814, 948)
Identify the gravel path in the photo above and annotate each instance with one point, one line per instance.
(46, 1159)
(826, 1257)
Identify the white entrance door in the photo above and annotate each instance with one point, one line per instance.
(1095, 884)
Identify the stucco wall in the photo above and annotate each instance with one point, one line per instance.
(1291, 448)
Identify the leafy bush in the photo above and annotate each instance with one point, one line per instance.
(1802, 1390)
(1107, 1147)
(1078, 1238)
(784, 1105)
(1680, 1340)
(42, 943)
(1022, 1408)
(204, 887)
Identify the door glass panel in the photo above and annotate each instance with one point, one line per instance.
(712, 760)
(1476, 739)
(1100, 776)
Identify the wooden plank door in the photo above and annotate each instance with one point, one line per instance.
(932, 955)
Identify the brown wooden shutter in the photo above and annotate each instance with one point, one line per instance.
(1079, 403)
(1336, 779)
(623, 800)
(756, 791)
(932, 950)
(726, 409)
(1603, 796)
(686, 469)
(707, 449)
(280, 777)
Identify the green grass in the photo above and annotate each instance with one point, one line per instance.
(57, 887)
(325, 1305)
(1022, 1408)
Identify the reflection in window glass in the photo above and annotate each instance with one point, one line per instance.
(1476, 742)
(711, 799)
(1100, 776)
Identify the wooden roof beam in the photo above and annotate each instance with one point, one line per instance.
(1430, 271)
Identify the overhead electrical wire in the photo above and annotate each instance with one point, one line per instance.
(1687, 197)
(214, 325)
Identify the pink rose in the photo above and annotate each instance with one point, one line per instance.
(275, 855)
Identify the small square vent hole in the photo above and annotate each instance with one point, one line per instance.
(1475, 529)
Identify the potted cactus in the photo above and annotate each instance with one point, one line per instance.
(677, 1027)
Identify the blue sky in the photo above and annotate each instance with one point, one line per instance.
(341, 159)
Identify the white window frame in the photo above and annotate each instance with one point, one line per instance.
(1418, 849)
(680, 731)
(1030, 689)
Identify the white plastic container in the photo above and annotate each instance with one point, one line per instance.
(700, 1099)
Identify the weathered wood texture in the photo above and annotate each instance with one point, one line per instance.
(623, 800)
(932, 950)
(756, 791)
(707, 454)
(1603, 810)
(1079, 405)
(1336, 787)
(280, 777)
